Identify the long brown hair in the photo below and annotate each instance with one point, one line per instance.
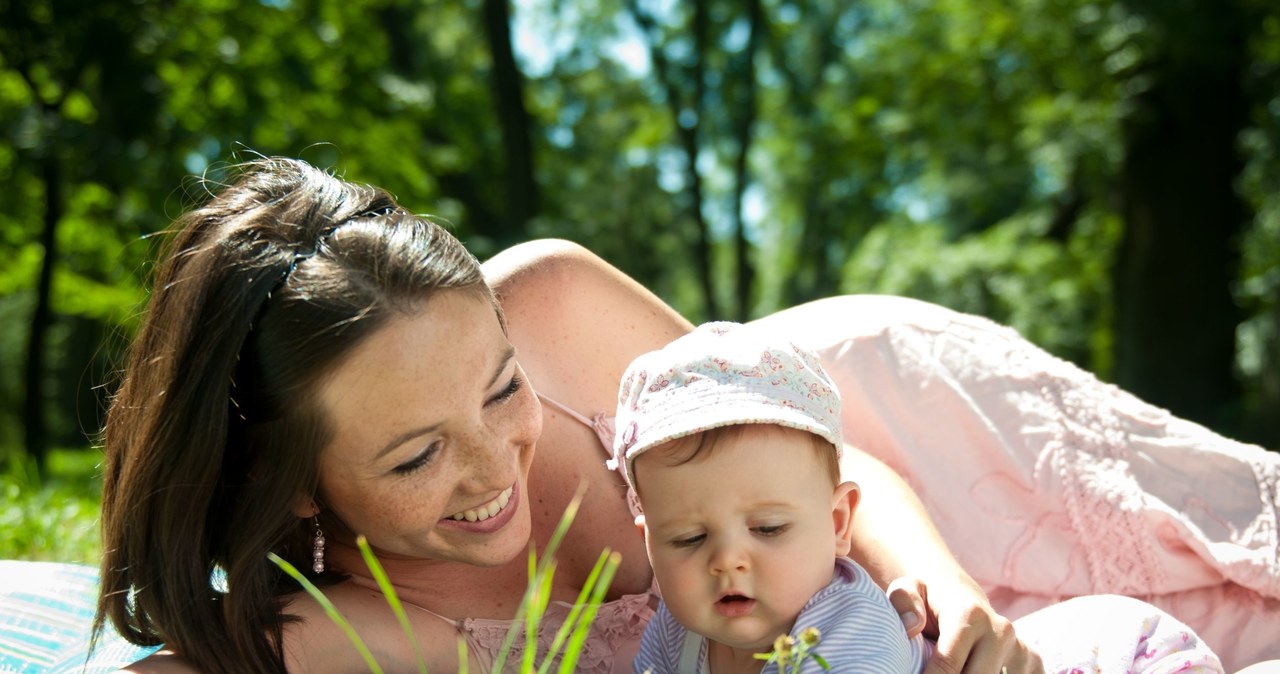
(213, 434)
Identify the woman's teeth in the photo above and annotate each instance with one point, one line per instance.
(486, 511)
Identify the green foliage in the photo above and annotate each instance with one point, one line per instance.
(54, 518)
(790, 653)
(1008, 272)
(968, 152)
(570, 636)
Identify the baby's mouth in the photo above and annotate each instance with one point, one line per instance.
(485, 511)
(733, 605)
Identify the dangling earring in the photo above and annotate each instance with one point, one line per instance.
(317, 552)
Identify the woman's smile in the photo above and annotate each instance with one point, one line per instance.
(488, 517)
(462, 498)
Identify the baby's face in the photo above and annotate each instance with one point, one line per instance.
(740, 539)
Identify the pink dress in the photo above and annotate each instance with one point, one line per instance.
(615, 633)
(1047, 483)
(609, 648)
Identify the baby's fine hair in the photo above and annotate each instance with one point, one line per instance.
(700, 446)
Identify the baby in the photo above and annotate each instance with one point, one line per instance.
(731, 442)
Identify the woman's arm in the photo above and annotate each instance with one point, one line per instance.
(161, 662)
(576, 323)
(577, 320)
(895, 540)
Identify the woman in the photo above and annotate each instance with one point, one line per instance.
(317, 363)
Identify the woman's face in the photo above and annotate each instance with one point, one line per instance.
(433, 428)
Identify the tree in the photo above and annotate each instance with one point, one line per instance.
(1013, 160)
(684, 87)
(743, 121)
(81, 105)
(508, 88)
(1176, 318)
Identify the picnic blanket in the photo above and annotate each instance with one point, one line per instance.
(46, 612)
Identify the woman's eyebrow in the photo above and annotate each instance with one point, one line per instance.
(502, 366)
(403, 438)
(415, 432)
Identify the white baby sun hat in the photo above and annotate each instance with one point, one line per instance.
(721, 374)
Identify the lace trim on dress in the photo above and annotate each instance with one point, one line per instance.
(618, 624)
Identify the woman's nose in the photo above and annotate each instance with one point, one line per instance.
(487, 452)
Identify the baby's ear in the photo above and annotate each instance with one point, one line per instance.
(844, 502)
(640, 526)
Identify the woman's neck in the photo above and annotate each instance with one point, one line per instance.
(450, 589)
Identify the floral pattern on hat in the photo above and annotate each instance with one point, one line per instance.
(722, 374)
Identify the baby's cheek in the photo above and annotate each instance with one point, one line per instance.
(673, 580)
(682, 600)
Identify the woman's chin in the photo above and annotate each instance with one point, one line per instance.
(512, 543)
(496, 540)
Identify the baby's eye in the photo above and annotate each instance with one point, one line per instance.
(770, 529)
(688, 541)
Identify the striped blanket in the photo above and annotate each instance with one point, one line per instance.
(46, 611)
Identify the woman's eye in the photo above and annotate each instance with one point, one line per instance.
(770, 529)
(418, 462)
(688, 541)
(512, 388)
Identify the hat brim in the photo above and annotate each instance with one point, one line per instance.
(742, 407)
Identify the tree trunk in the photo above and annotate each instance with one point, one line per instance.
(36, 435)
(1175, 316)
(508, 91)
(745, 122)
(814, 274)
(687, 131)
(408, 53)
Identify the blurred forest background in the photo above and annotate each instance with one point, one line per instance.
(1103, 175)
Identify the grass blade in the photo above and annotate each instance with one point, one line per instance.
(562, 528)
(509, 640)
(562, 634)
(393, 600)
(329, 609)
(533, 617)
(583, 626)
(537, 567)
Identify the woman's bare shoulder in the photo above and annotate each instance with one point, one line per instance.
(576, 319)
(314, 642)
(161, 662)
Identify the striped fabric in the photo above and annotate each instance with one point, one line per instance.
(46, 611)
(861, 632)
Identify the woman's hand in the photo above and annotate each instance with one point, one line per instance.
(971, 637)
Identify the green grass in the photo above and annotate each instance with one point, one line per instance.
(570, 637)
(54, 518)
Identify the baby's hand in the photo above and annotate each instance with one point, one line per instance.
(971, 637)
